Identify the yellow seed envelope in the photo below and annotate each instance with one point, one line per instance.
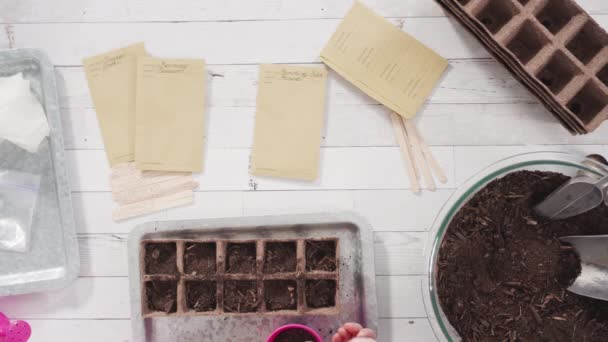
(111, 77)
(384, 62)
(170, 115)
(289, 121)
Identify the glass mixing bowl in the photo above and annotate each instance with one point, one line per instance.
(568, 164)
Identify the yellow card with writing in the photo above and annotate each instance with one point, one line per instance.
(289, 121)
(170, 118)
(384, 62)
(111, 77)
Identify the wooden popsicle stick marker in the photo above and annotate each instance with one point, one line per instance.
(419, 155)
(428, 155)
(402, 139)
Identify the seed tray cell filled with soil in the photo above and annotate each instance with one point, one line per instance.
(200, 259)
(320, 293)
(240, 296)
(280, 257)
(161, 258)
(161, 296)
(503, 274)
(281, 295)
(241, 257)
(321, 255)
(201, 296)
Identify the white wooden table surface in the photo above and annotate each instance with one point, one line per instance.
(478, 114)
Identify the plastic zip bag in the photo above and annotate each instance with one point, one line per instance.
(18, 196)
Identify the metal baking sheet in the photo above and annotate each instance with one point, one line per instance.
(357, 292)
(52, 261)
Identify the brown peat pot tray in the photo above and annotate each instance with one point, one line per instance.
(553, 47)
(503, 272)
(202, 277)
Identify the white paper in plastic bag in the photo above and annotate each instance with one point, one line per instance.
(22, 118)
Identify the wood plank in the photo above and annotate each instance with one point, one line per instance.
(88, 298)
(466, 81)
(119, 330)
(472, 159)
(243, 42)
(30, 11)
(227, 169)
(83, 330)
(396, 253)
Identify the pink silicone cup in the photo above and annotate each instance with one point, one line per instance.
(276, 333)
(17, 331)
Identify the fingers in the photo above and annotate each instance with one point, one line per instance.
(367, 333)
(337, 338)
(353, 328)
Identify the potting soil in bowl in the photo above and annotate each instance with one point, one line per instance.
(503, 272)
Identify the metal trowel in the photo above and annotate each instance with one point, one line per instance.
(577, 196)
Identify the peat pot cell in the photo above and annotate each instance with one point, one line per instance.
(496, 14)
(161, 296)
(588, 42)
(161, 258)
(320, 293)
(528, 41)
(280, 295)
(201, 296)
(200, 259)
(588, 102)
(241, 258)
(558, 72)
(240, 296)
(603, 75)
(280, 257)
(556, 14)
(321, 255)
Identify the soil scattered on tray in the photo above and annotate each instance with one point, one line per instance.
(200, 259)
(295, 335)
(321, 255)
(503, 272)
(280, 257)
(161, 258)
(240, 296)
(320, 293)
(162, 296)
(241, 257)
(201, 296)
(280, 295)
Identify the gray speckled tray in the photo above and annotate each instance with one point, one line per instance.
(356, 299)
(52, 261)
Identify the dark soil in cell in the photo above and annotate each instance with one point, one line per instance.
(201, 295)
(320, 293)
(295, 335)
(241, 258)
(200, 259)
(240, 296)
(280, 295)
(503, 273)
(162, 296)
(280, 257)
(161, 258)
(321, 256)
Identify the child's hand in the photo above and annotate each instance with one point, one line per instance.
(353, 332)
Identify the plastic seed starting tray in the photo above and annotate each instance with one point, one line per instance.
(552, 46)
(240, 279)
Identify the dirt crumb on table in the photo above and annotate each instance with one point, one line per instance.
(503, 272)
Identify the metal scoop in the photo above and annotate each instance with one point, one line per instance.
(593, 252)
(579, 195)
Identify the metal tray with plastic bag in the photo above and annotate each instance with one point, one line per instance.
(49, 258)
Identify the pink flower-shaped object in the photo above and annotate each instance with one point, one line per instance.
(15, 331)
